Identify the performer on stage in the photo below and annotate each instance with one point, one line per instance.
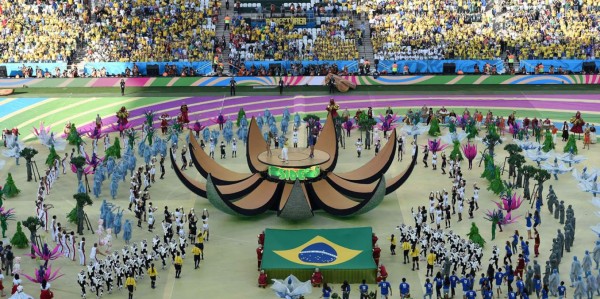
(357, 115)
(184, 114)
(586, 138)
(122, 116)
(98, 122)
(332, 108)
(578, 123)
(317, 278)
(164, 123)
(262, 279)
(565, 131)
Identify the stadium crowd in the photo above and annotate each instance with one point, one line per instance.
(39, 31)
(334, 39)
(150, 30)
(447, 29)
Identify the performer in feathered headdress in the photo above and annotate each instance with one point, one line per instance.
(577, 123)
(184, 114)
(122, 115)
(332, 108)
(164, 122)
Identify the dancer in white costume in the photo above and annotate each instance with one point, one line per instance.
(284, 152)
(538, 156)
(556, 168)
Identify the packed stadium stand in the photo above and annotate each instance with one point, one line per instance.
(275, 37)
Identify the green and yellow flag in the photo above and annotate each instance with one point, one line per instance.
(348, 248)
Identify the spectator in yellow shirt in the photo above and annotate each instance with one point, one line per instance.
(196, 251)
(152, 273)
(178, 265)
(130, 283)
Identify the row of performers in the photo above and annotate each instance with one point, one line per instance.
(123, 115)
(123, 119)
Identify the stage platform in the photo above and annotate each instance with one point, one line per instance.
(297, 158)
(340, 254)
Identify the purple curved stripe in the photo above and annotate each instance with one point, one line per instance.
(353, 102)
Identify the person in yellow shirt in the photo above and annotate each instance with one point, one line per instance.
(430, 262)
(393, 243)
(178, 265)
(414, 253)
(200, 243)
(130, 284)
(152, 273)
(196, 251)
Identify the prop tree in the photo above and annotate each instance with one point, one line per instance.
(10, 189)
(32, 224)
(474, 235)
(434, 128)
(541, 176)
(491, 139)
(471, 129)
(456, 154)
(28, 153)
(489, 168)
(548, 142)
(515, 163)
(241, 114)
(366, 124)
(512, 149)
(114, 150)
(52, 156)
(5, 216)
(83, 199)
(19, 240)
(74, 138)
(571, 146)
(494, 217)
(528, 172)
(496, 184)
(78, 162)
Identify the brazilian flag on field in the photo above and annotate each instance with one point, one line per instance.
(347, 248)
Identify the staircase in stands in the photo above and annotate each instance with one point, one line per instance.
(366, 50)
(220, 31)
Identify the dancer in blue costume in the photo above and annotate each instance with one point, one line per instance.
(297, 120)
(127, 231)
(117, 222)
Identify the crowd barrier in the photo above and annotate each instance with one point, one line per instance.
(571, 65)
(437, 66)
(14, 69)
(414, 66)
(116, 68)
(272, 81)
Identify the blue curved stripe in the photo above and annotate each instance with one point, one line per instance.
(18, 104)
(15, 81)
(545, 79)
(397, 80)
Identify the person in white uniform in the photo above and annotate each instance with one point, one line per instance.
(284, 152)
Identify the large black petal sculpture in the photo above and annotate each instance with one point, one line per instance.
(344, 194)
